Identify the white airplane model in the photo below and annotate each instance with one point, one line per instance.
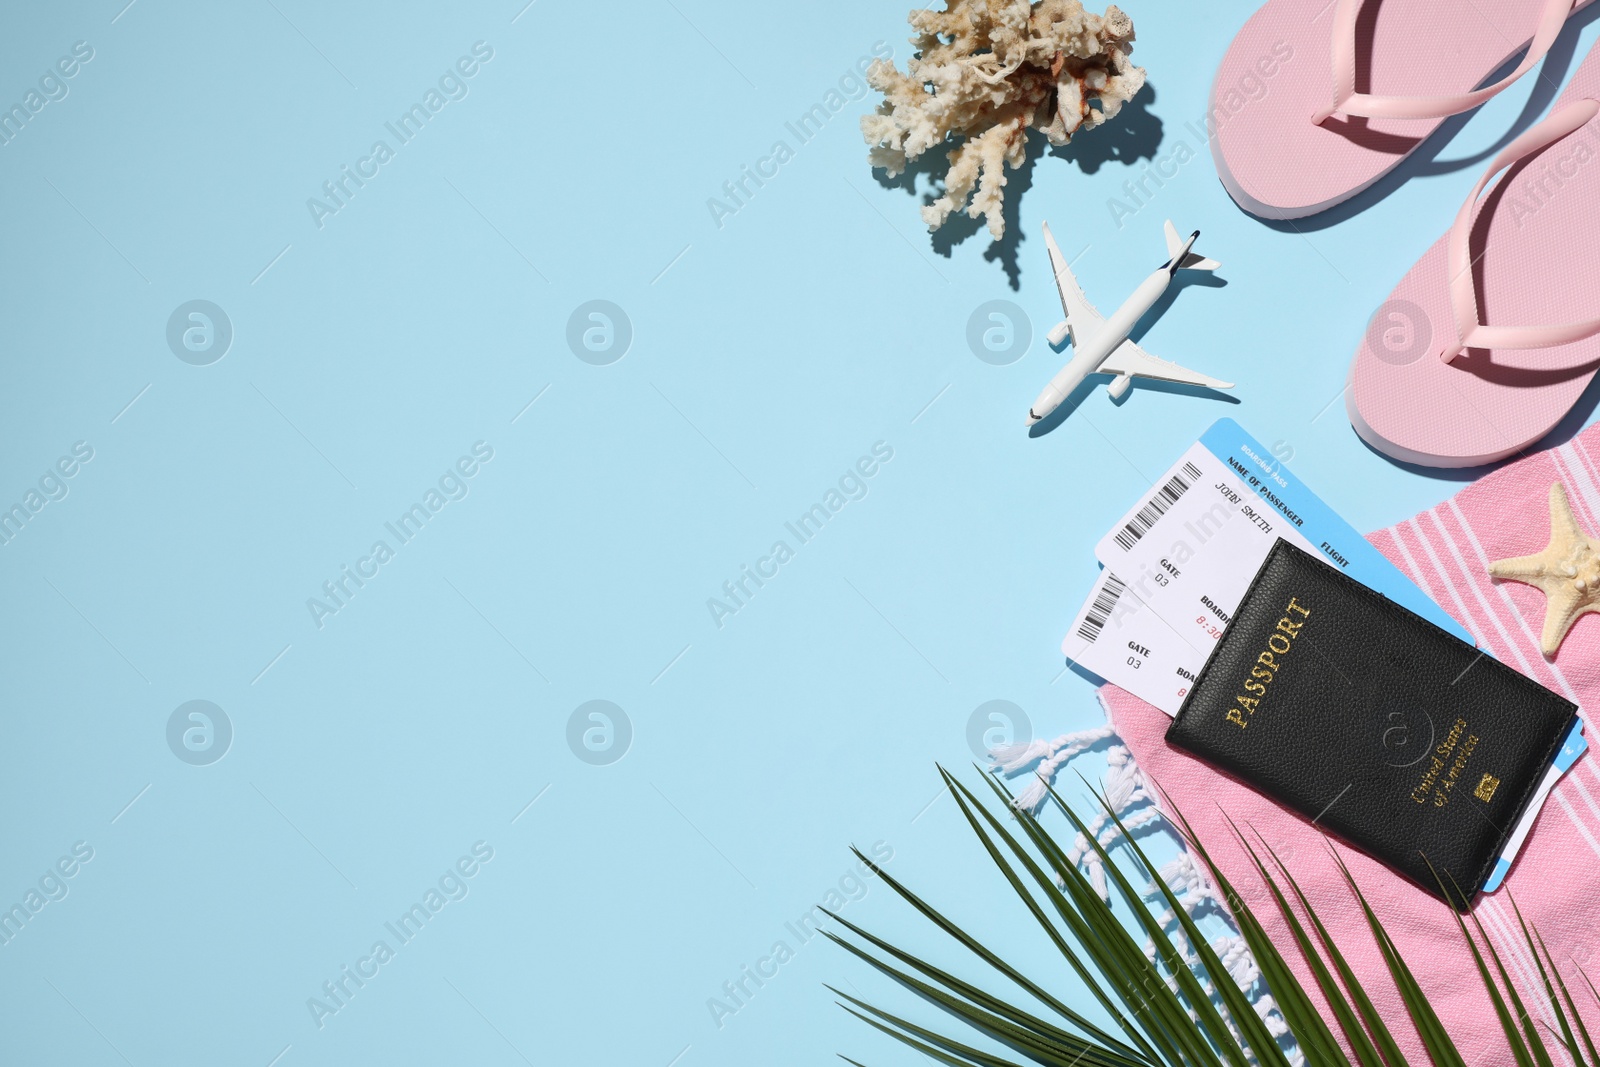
(1100, 344)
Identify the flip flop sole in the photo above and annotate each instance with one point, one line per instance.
(1275, 162)
(1532, 248)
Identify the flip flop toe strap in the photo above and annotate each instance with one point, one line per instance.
(1368, 105)
(1469, 332)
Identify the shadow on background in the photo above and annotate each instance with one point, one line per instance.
(1133, 135)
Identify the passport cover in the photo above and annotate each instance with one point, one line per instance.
(1372, 722)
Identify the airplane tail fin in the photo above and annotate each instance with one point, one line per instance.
(1191, 260)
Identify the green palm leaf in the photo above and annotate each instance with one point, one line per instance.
(1566, 997)
(1173, 1011)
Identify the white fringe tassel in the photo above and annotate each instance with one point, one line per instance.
(1051, 757)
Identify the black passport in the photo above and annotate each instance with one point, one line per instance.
(1373, 723)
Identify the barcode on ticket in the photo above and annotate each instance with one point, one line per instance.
(1104, 602)
(1165, 497)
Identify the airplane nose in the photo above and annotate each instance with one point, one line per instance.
(1031, 419)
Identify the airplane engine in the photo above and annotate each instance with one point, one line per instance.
(1058, 334)
(1119, 385)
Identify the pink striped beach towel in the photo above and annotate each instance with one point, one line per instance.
(1556, 879)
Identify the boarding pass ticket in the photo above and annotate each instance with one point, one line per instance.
(1180, 561)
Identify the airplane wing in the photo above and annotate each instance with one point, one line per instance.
(1082, 318)
(1128, 358)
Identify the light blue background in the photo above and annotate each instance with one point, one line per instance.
(768, 354)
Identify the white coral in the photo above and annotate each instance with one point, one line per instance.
(984, 73)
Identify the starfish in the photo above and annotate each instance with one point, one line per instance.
(1567, 571)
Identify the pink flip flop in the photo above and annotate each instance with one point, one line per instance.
(1433, 384)
(1318, 99)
